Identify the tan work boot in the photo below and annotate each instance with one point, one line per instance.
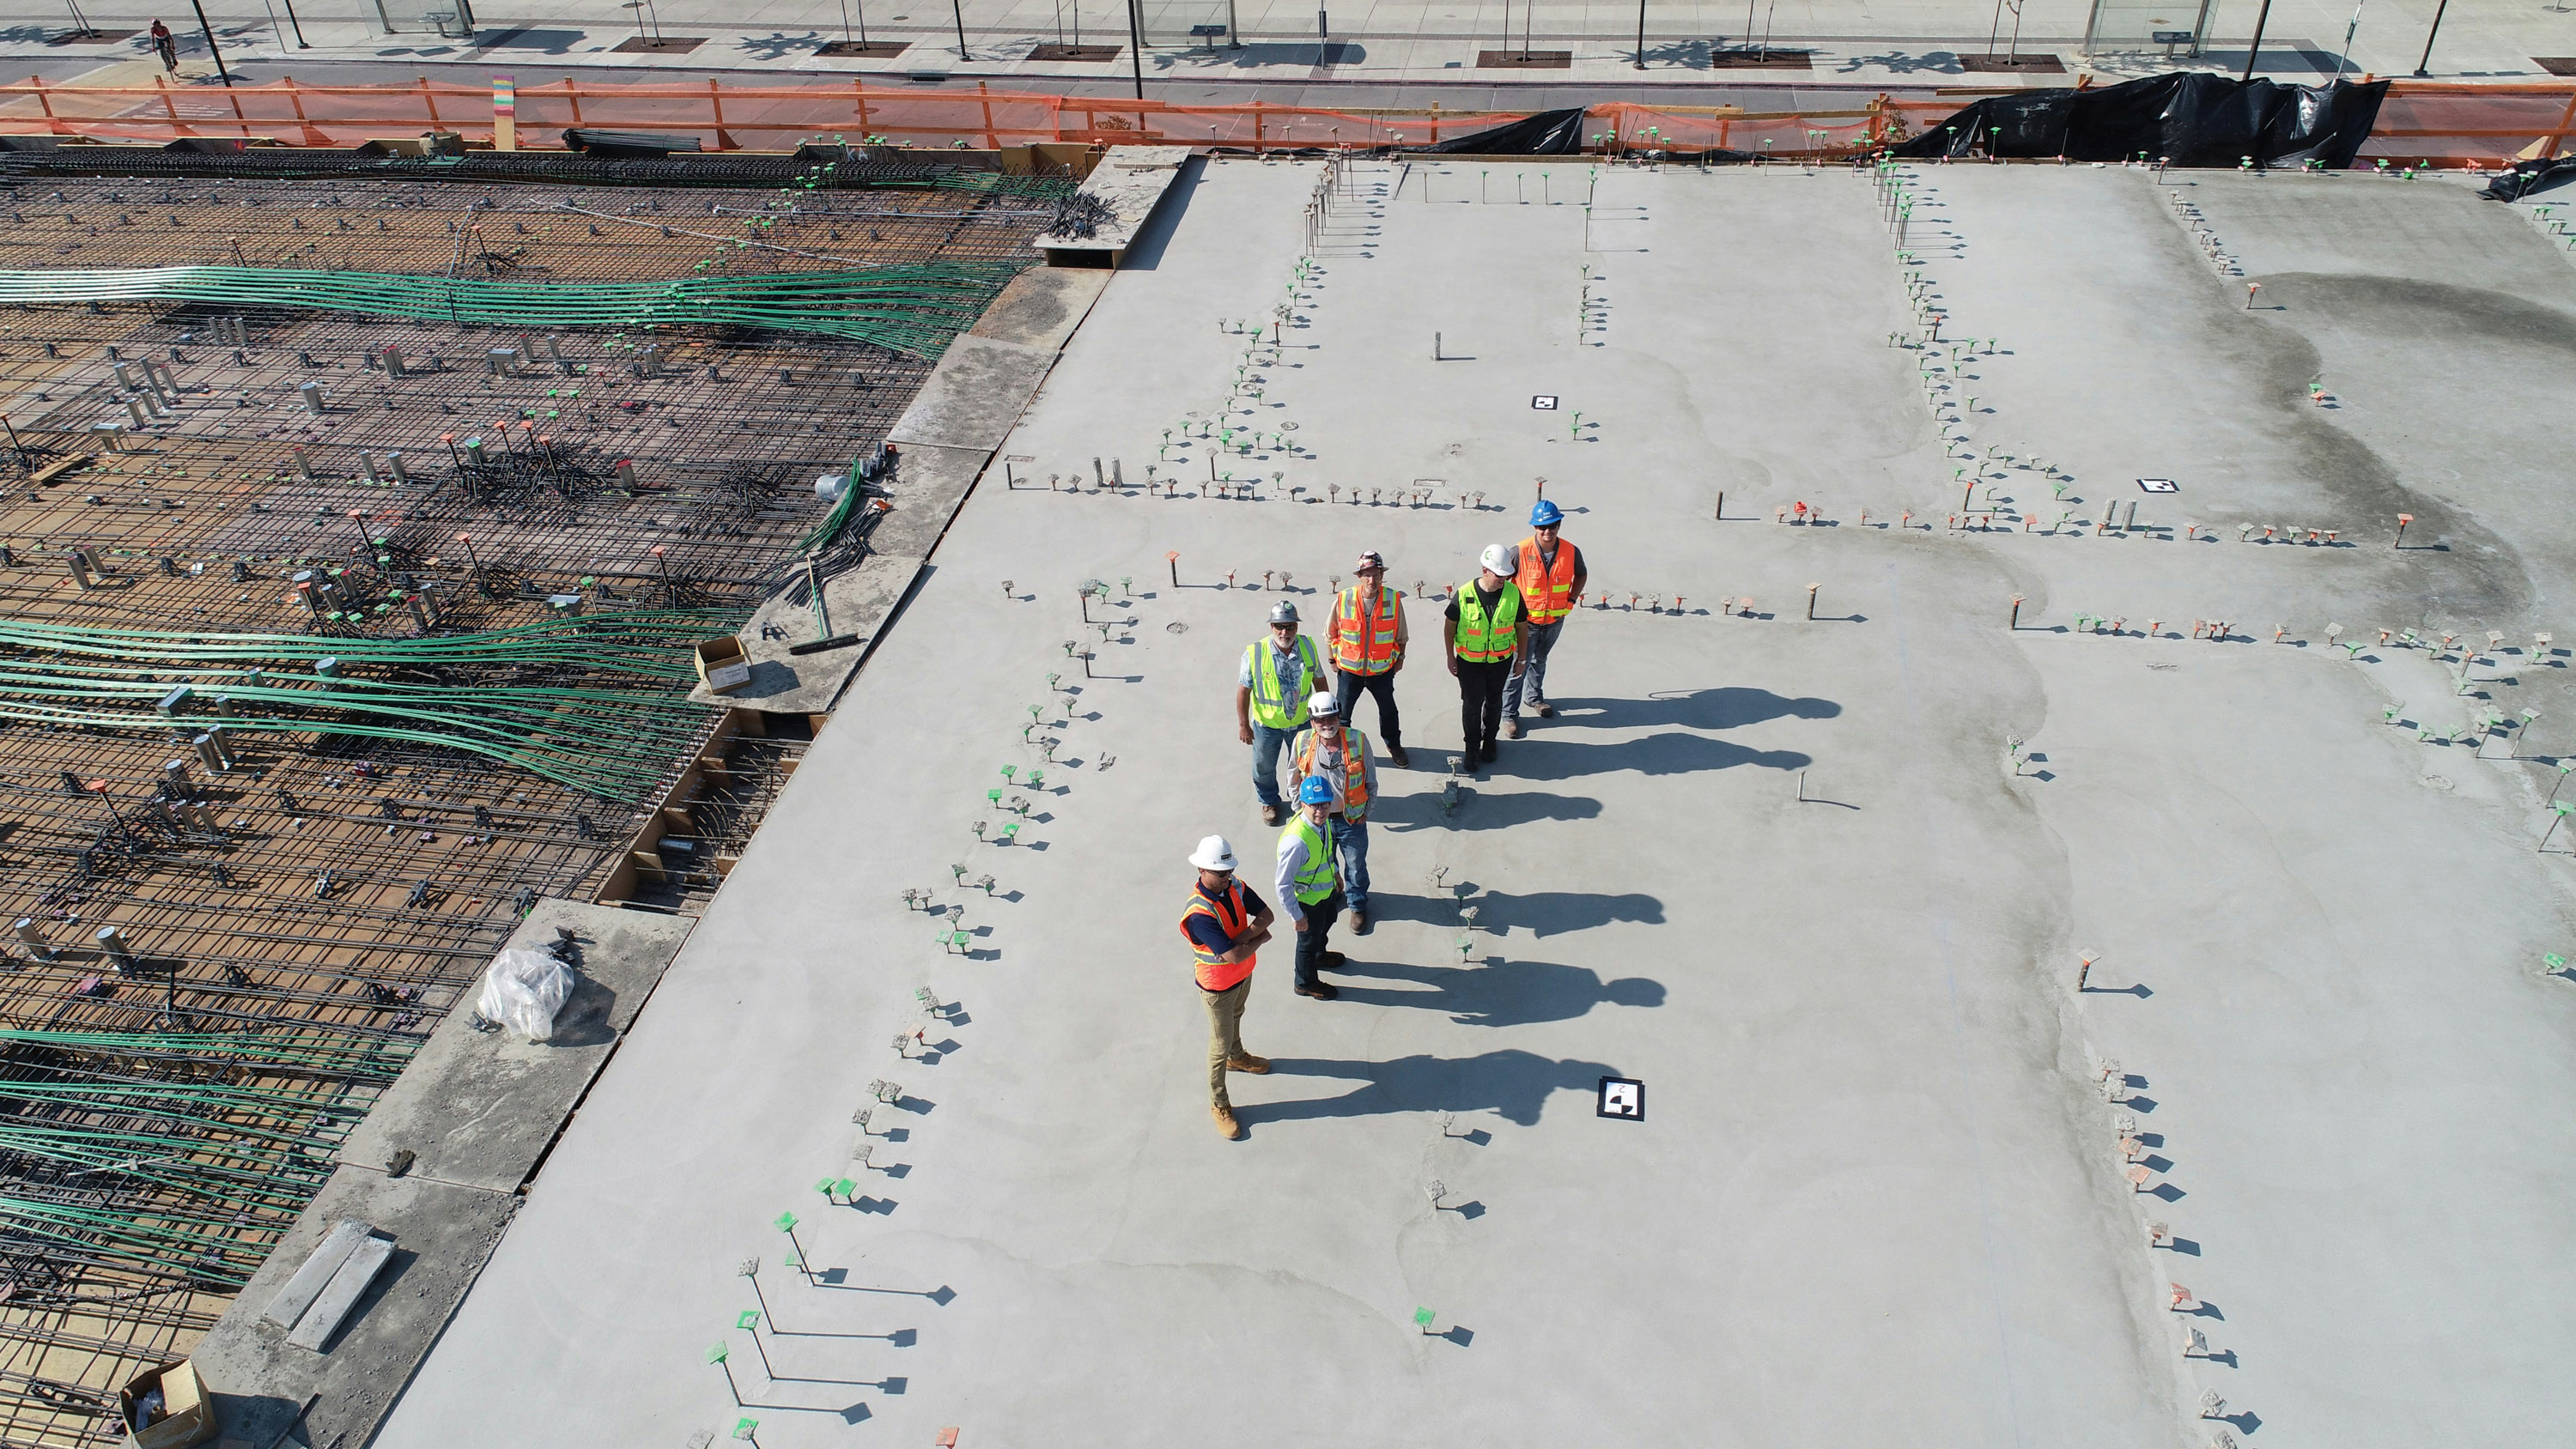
(1248, 1063)
(1226, 1124)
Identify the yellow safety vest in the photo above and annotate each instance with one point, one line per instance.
(1315, 881)
(1275, 705)
(1481, 640)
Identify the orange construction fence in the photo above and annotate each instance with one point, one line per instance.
(2447, 124)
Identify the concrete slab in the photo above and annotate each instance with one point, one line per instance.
(1130, 182)
(974, 396)
(1041, 306)
(260, 1384)
(480, 1108)
(1822, 883)
(927, 490)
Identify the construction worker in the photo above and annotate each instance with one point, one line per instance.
(1340, 754)
(1551, 578)
(1309, 889)
(1367, 637)
(1486, 634)
(1225, 924)
(1270, 701)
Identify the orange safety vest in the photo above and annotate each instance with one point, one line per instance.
(1549, 592)
(1236, 918)
(1355, 768)
(1364, 642)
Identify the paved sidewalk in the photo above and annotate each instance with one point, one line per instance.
(1410, 42)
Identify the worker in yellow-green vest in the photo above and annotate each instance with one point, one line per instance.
(1270, 693)
(1340, 753)
(1225, 924)
(1486, 631)
(1310, 891)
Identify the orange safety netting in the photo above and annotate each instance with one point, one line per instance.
(2446, 124)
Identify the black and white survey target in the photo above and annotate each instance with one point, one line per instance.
(1622, 1098)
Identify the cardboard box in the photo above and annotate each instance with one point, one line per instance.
(722, 664)
(185, 1416)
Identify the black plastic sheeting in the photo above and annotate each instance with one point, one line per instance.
(1549, 133)
(2527, 177)
(626, 145)
(2189, 118)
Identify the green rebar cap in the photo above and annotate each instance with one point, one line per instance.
(1423, 1316)
(716, 1354)
(786, 1223)
(750, 1318)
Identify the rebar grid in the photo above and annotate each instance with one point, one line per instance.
(319, 896)
(522, 232)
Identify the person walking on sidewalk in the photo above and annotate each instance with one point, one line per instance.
(1486, 635)
(1225, 924)
(1551, 576)
(1340, 754)
(168, 44)
(1309, 890)
(1367, 636)
(1270, 693)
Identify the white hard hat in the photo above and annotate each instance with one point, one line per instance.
(1213, 854)
(1324, 705)
(1498, 559)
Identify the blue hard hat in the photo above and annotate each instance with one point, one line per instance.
(1316, 791)
(1546, 513)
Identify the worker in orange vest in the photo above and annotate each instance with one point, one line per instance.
(1341, 756)
(1368, 639)
(1551, 578)
(1225, 924)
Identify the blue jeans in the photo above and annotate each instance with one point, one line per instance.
(1532, 682)
(1350, 840)
(1267, 746)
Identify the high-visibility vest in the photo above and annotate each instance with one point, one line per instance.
(1235, 917)
(1364, 637)
(1549, 592)
(1315, 881)
(1274, 704)
(1481, 640)
(1355, 767)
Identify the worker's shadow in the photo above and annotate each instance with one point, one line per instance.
(1541, 913)
(1480, 810)
(1515, 1084)
(1509, 993)
(1698, 709)
(1543, 758)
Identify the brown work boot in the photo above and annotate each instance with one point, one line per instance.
(1226, 1124)
(1270, 814)
(1402, 760)
(1247, 1062)
(1359, 923)
(1546, 710)
(1511, 729)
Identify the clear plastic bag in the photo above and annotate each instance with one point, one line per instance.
(522, 990)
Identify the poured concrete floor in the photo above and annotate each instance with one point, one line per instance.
(1787, 872)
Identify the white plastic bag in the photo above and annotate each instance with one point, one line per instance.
(523, 990)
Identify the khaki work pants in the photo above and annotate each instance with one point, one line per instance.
(1225, 1035)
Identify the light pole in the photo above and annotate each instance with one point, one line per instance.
(1641, 33)
(2420, 71)
(958, 9)
(1135, 52)
(2260, 16)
